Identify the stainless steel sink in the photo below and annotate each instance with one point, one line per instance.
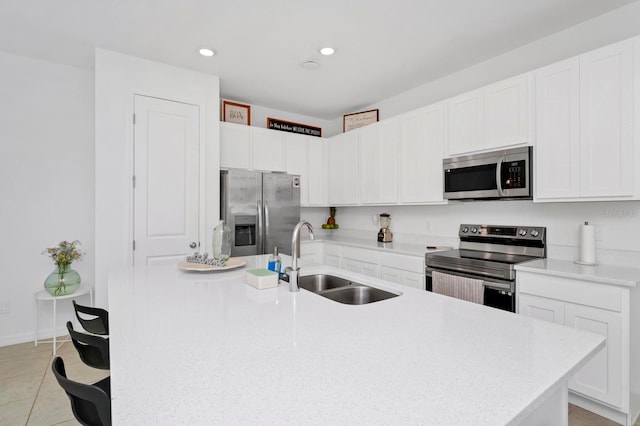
(320, 282)
(342, 290)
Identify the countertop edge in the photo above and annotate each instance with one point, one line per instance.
(603, 274)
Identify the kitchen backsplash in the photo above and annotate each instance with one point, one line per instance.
(617, 224)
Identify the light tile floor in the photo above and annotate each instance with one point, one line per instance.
(30, 394)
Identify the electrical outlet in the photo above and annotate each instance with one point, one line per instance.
(5, 306)
(599, 234)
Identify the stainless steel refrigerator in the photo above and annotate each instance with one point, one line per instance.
(261, 209)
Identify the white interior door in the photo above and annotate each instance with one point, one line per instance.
(166, 180)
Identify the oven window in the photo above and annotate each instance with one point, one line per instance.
(476, 178)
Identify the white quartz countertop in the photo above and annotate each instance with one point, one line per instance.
(205, 348)
(614, 275)
(411, 249)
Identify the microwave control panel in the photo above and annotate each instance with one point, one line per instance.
(513, 174)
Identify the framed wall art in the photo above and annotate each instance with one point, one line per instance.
(359, 119)
(290, 126)
(234, 112)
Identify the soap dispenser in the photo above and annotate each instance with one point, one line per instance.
(275, 263)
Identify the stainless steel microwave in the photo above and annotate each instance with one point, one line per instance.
(504, 174)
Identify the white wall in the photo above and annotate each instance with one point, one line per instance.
(117, 78)
(47, 191)
(260, 113)
(606, 29)
(617, 224)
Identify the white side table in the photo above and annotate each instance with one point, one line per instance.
(46, 297)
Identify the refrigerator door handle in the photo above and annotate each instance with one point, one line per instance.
(260, 237)
(266, 227)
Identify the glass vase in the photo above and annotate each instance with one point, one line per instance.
(221, 242)
(62, 281)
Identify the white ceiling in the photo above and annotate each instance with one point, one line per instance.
(383, 47)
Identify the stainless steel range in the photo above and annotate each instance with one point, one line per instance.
(482, 270)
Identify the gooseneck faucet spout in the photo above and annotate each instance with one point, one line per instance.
(295, 243)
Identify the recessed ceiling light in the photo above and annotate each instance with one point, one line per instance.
(310, 65)
(207, 52)
(327, 51)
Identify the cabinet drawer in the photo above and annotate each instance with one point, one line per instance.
(571, 290)
(332, 249)
(405, 262)
(363, 255)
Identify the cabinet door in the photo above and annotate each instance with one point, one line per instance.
(541, 308)
(465, 123)
(399, 276)
(601, 378)
(606, 121)
(378, 162)
(235, 146)
(268, 150)
(420, 153)
(343, 169)
(297, 163)
(316, 173)
(506, 113)
(556, 164)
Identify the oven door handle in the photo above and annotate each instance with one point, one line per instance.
(507, 286)
(499, 176)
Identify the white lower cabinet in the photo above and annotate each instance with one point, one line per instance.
(364, 268)
(400, 276)
(397, 268)
(601, 385)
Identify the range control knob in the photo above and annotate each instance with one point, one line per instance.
(522, 232)
(474, 230)
(465, 229)
(534, 233)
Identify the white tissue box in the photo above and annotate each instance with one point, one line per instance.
(261, 278)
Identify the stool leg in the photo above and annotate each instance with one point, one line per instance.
(54, 326)
(36, 333)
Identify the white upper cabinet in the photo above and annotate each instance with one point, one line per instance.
(235, 146)
(343, 169)
(268, 150)
(506, 112)
(420, 153)
(317, 171)
(584, 131)
(465, 123)
(492, 117)
(307, 157)
(252, 148)
(378, 162)
(606, 121)
(557, 130)
(297, 162)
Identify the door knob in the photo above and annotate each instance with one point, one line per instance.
(193, 245)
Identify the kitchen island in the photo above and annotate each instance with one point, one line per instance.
(205, 348)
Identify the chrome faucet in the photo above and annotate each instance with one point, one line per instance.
(294, 271)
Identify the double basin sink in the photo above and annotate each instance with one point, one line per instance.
(342, 290)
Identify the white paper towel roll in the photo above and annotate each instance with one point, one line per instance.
(587, 243)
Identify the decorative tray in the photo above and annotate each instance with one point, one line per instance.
(232, 263)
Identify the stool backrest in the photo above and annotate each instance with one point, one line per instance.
(93, 320)
(91, 404)
(93, 350)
